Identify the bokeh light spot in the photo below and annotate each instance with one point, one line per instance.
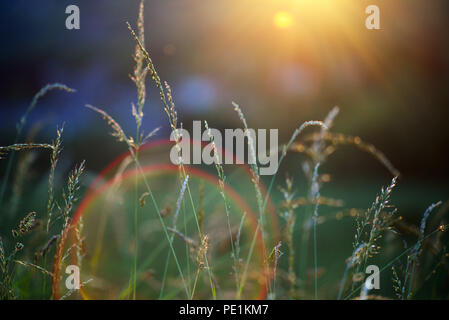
(283, 19)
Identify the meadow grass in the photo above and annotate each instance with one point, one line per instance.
(283, 272)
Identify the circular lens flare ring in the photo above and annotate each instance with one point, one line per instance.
(95, 191)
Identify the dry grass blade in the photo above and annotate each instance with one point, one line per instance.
(323, 201)
(150, 135)
(24, 147)
(254, 167)
(183, 237)
(39, 95)
(117, 131)
(43, 251)
(337, 139)
(31, 265)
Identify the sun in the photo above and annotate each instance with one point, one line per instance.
(283, 19)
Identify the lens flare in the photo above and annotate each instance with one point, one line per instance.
(107, 236)
(283, 20)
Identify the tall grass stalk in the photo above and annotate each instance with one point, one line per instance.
(136, 235)
(175, 218)
(121, 137)
(21, 125)
(277, 255)
(53, 162)
(316, 198)
(221, 181)
(164, 227)
(313, 198)
(285, 149)
(139, 76)
(290, 219)
(284, 153)
(187, 247)
(237, 241)
(412, 259)
(171, 113)
(259, 198)
(336, 140)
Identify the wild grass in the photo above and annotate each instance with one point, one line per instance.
(412, 259)
(169, 108)
(221, 179)
(21, 126)
(175, 231)
(282, 274)
(289, 216)
(370, 227)
(56, 150)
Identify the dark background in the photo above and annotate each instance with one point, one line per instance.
(391, 85)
